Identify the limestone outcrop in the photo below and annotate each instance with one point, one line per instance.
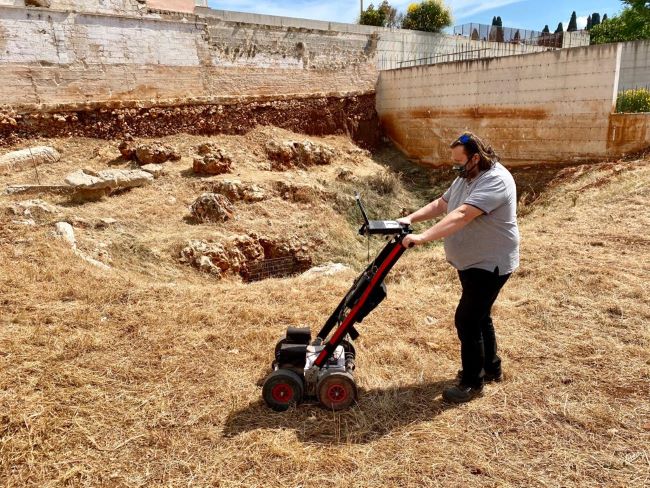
(212, 207)
(28, 158)
(289, 154)
(212, 160)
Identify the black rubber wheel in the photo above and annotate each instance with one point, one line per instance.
(278, 346)
(337, 391)
(282, 388)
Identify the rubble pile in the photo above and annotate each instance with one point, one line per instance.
(285, 155)
(249, 256)
(212, 207)
(212, 160)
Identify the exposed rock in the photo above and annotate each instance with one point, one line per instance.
(155, 153)
(292, 247)
(207, 148)
(212, 160)
(155, 170)
(327, 269)
(234, 256)
(147, 153)
(212, 207)
(28, 158)
(112, 179)
(288, 154)
(235, 190)
(66, 232)
(299, 193)
(127, 149)
(87, 187)
(28, 222)
(33, 208)
(92, 261)
(248, 256)
(37, 189)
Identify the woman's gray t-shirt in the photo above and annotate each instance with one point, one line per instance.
(491, 240)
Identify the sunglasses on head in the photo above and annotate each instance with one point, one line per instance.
(464, 139)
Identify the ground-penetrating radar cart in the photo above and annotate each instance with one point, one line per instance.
(323, 369)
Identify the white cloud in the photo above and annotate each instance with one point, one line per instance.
(582, 22)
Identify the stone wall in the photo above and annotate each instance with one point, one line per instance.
(540, 108)
(53, 58)
(95, 6)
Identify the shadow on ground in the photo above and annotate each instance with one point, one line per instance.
(379, 412)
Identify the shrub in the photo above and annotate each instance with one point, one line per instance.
(428, 16)
(633, 101)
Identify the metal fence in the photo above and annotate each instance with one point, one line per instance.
(510, 35)
(272, 268)
(445, 58)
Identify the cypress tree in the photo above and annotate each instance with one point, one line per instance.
(595, 19)
(589, 23)
(573, 23)
(560, 28)
(494, 20)
(499, 22)
(546, 30)
(604, 18)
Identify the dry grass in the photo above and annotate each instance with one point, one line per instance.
(148, 375)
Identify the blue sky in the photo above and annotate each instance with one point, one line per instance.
(525, 14)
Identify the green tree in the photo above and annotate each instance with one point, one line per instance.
(573, 23)
(560, 28)
(499, 22)
(595, 19)
(391, 17)
(546, 30)
(632, 24)
(589, 25)
(372, 16)
(604, 18)
(427, 16)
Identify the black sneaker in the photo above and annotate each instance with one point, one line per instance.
(488, 378)
(461, 393)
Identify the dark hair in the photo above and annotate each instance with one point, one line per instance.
(474, 145)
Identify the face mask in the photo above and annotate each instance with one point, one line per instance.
(461, 170)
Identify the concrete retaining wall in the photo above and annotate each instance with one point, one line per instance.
(390, 46)
(540, 108)
(635, 65)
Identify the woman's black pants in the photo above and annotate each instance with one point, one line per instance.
(478, 344)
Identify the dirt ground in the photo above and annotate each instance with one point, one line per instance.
(149, 373)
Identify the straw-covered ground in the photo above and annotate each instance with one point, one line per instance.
(148, 374)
